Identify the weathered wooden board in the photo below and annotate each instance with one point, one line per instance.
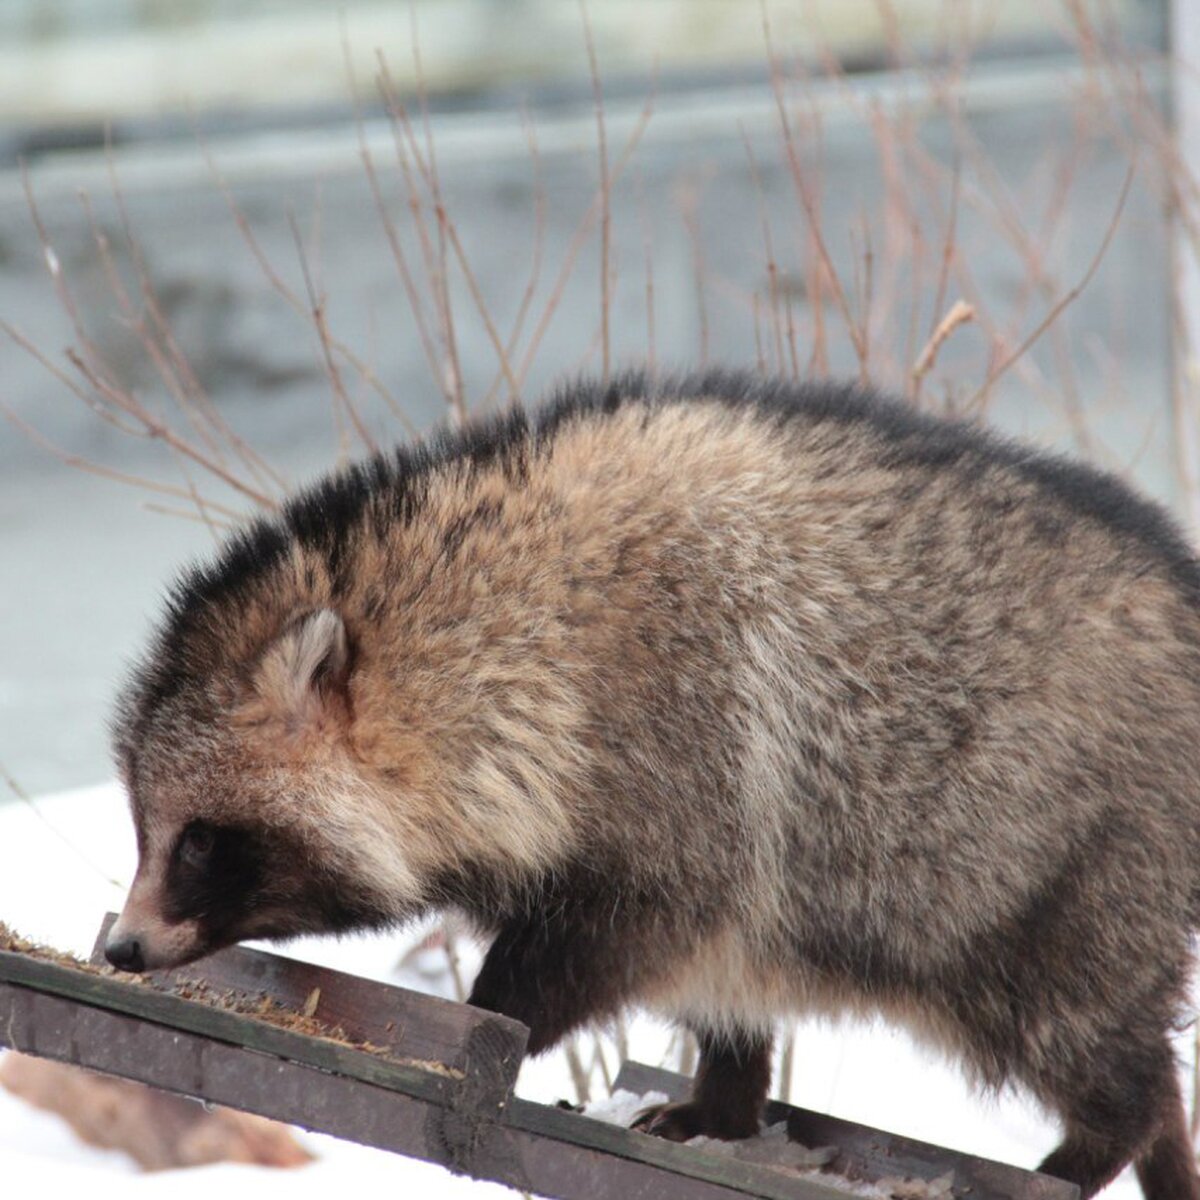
(870, 1154)
(565, 1154)
(133, 999)
(109, 1024)
(461, 1114)
(533, 1147)
(406, 1025)
(200, 1065)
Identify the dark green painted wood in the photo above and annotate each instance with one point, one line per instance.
(470, 1123)
(871, 1154)
(405, 1024)
(142, 1001)
(750, 1179)
(534, 1147)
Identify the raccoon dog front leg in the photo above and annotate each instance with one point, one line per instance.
(729, 1093)
(554, 976)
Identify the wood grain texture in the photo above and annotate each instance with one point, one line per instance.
(871, 1154)
(532, 1147)
(463, 1117)
(403, 1023)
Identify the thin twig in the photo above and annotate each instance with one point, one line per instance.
(286, 293)
(582, 229)
(949, 242)
(535, 265)
(441, 278)
(172, 364)
(648, 257)
(579, 1075)
(688, 205)
(807, 201)
(960, 313)
(605, 198)
(169, 510)
(317, 304)
(25, 799)
(1064, 301)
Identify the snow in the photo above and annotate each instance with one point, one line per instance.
(58, 865)
(621, 1107)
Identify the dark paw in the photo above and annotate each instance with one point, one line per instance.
(675, 1122)
(686, 1119)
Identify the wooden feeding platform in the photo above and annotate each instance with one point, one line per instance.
(423, 1077)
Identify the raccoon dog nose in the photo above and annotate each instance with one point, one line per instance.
(125, 955)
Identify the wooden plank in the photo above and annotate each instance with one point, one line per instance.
(112, 1024)
(586, 1142)
(362, 1007)
(404, 1023)
(536, 1148)
(466, 1121)
(871, 1154)
(142, 1001)
(193, 1064)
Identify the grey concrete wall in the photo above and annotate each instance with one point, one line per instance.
(74, 59)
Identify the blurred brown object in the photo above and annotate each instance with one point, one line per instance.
(157, 1129)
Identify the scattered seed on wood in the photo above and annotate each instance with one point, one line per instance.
(259, 1006)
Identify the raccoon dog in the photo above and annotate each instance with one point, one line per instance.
(727, 697)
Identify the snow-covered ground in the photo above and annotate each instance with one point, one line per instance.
(55, 867)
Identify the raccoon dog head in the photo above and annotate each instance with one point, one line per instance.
(251, 818)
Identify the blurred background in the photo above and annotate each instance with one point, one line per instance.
(191, 161)
(240, 244)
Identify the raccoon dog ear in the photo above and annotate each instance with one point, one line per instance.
(306, 670)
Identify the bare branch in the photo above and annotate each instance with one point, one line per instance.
(1065, 301)
(317, 303)
(959, 314)
(605, 198)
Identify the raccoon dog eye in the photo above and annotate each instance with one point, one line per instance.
(195, 845)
